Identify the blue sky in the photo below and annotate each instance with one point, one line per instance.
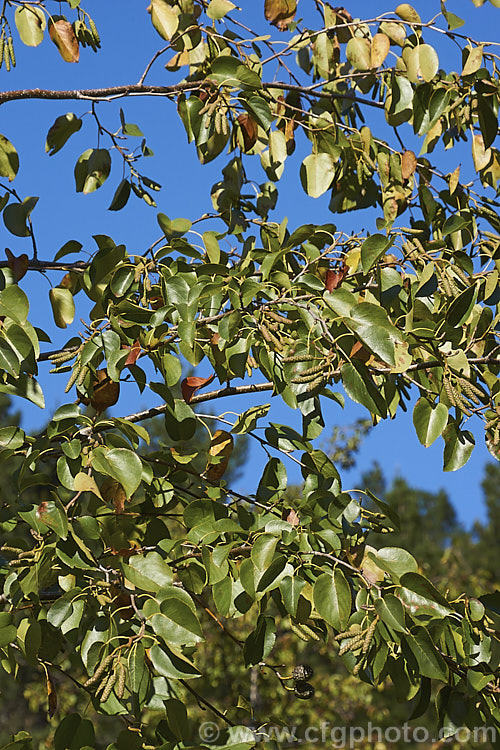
(128, 43)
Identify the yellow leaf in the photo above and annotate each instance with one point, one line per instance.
(379, 49)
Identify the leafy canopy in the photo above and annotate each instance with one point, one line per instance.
(118, 554)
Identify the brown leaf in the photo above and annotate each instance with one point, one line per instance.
(289, 515)
(105, 392)
(335, 277)
(62, 34)
(248, 130)
(221, 448)
(18, 265)
(66, 282)
(379, 50)
(113, 492)
(190, 385)
(358, 351)
(125, 552)
(408, 164)
(133, 354)
(280, 12)
(290, 136)
(51, 695)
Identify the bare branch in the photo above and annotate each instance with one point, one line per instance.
(138, 89)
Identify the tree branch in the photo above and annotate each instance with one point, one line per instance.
(137, 89)
(231, 390)
(51, 265)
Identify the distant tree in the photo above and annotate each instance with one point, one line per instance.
(428, 521)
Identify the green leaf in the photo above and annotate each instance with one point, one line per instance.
(53, 514)
(8, 631)
(273, 481)
(26, 387)
(290, 588)
(9, 160)
(62, 129)
(259, 643)
(171, 664)
(431, 663)
(394, 560)
(247, 421)
(260, 110)
(361, 389)
(217, 9)
(11, 437)
(29, 638)
(137, 669)
(126, 467)
(358, 52)
(488, 120)
(391, 612)
(371, 325)
(63, 306)
(263, 550)
(14, 304)
(459, 445)
(229, 71)
(332, 598)
(422, 586)
(408, 13)
(461, 307)
(74, 733)
(372, 249)
(15, 216)
(148, 572)
(474, 60)
(177, 623)
(98, 169)
(71, 246)
(429, 420)
(316, 173)
(30, 23)
(423, 602)
(164, 18)
(173, 228)
(422, 62)
(121, 196)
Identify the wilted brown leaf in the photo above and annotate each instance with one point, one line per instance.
(280, 12)
(248, 131)
(133, 355)
(190, 385)
(290, 136)
(105, 392)
(113, 492)
(289, 515)
(335, 277)
(51, 694)
(221, 448)
(62, 34)
(408, 164)
(379, 49)
(358, 351)
(18, 265)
